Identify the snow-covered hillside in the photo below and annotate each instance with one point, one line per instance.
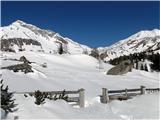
(139, 42)
(72, 72)
(20, 36)
(141, 107)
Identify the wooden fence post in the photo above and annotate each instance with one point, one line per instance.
(81, 97)
(105, 96)
(143, 90)
(126, 92)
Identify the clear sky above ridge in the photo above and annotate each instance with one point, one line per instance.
(92, 23)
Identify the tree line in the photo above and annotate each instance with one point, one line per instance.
(136, 57)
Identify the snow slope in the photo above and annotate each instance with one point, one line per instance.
(72, 72)
(139, 42)
(134, 108)
(49, 40)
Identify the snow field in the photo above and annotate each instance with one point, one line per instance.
(72, 72)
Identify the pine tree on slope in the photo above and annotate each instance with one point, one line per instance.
(7, 101)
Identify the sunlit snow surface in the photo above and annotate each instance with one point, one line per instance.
(72, 72)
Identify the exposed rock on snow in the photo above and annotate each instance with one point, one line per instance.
(123, 68)
(11, 43)
(24, 59)
(25, 67)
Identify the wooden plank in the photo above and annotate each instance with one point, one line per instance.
(153, 89)
(73, 99)
(120, 91)
(128, 94)
(132, 90)
(133, 94)
(50, 92)
(123, 97)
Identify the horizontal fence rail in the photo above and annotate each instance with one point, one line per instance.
(153, 89)
(80, 100)
(52, 92)
(120, 91)
(124, 94)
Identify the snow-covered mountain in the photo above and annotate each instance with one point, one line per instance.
(20, 36)
(139, 42)
(71, 72)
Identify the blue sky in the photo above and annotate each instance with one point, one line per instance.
(92, 23)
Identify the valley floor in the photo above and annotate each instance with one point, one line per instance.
(72, 72)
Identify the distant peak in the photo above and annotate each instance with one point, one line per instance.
(23, 24)
(19, 22)
(154, 30)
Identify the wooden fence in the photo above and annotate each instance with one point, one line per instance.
(80, 99)
(108, 95)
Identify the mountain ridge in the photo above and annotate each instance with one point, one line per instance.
(34, 38)
(50, 40)
(139, 42)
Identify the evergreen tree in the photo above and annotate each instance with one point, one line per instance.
(7, 101)
(85, 51)
(60, 51)
(145, 68)
(95, 53)
(39, 97)
(156, 62)
(136, 65)
(142, 67)
(136, 57)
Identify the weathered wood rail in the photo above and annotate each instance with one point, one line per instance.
(80, 99)
(108, 95)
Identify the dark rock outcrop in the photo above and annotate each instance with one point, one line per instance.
(24, 59)
(61, 40)
(6, 44)
(25, 67)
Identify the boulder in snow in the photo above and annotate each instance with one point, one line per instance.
(122, 68)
